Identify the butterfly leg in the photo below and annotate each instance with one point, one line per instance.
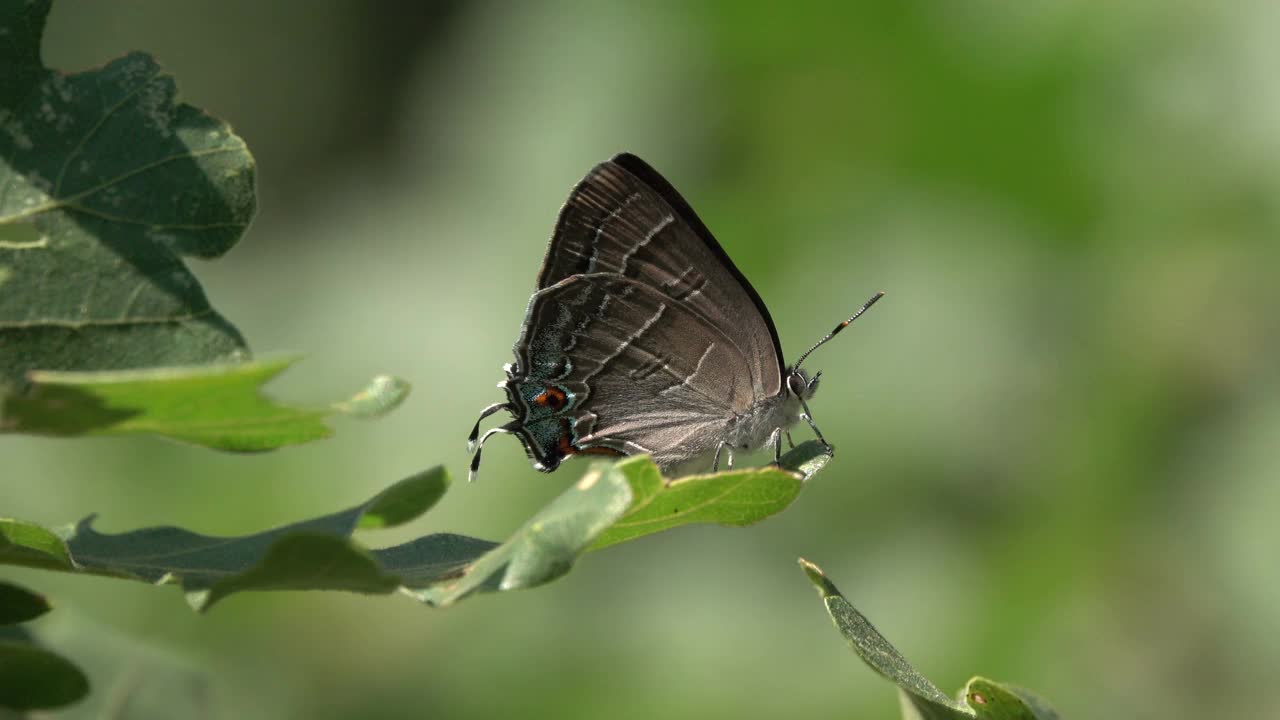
(475, 459)
(776, 441)
(475, 431)
(715, 464)
(808, 417)
(791, 444)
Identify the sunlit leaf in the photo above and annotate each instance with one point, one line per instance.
(991, 700)
(546, 547)
(217, 406)
(735, 498)
(31, 545)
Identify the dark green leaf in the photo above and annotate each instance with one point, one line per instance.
(108, 183)
(32, 678)
(218, 406)
(299, 561)
(17, 604)
(316, 554)
(439, 569)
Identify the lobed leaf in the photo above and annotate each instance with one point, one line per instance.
(627, 498)
(108, 182)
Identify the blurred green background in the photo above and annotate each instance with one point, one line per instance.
(1058, 433)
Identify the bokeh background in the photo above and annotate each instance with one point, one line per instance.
(1058, 433)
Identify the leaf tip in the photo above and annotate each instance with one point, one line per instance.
(824, 586)
(199, 600)
(383, 394)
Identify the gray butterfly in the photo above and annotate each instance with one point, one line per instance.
(643, 337)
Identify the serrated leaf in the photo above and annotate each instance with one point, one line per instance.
(735, 498)
(217, 406)
(18, 604)
(921, 699)
(108, 183)
(439, 569)
(32, 678)
(314, 554)
(302, 561)
(319, 554)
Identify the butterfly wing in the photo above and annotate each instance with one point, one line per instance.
(606, 362)
(625, 218)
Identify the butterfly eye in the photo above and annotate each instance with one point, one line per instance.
(797, 384)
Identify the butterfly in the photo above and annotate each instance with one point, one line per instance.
(644, 337)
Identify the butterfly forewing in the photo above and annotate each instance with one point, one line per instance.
(624, 218)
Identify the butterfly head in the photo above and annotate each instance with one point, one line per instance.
(801, 385)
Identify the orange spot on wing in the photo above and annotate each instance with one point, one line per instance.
(566, 445)
(551, 397)
(567, 448)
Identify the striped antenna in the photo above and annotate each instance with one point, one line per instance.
(838, 328)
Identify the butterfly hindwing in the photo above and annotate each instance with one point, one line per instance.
(606, 362)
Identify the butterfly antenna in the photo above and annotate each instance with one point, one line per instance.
(865, 306)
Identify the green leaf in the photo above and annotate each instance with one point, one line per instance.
(930, 702)
(32, 678)
(18, 604)
(217, 406)
(319, 554)
(547, 546)
(316, 554)
(991, 700)
(921, 699)
(438, 569)
(108, 183)
(384, 394)
(807, 458)
(30, 545)
(735, 498)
